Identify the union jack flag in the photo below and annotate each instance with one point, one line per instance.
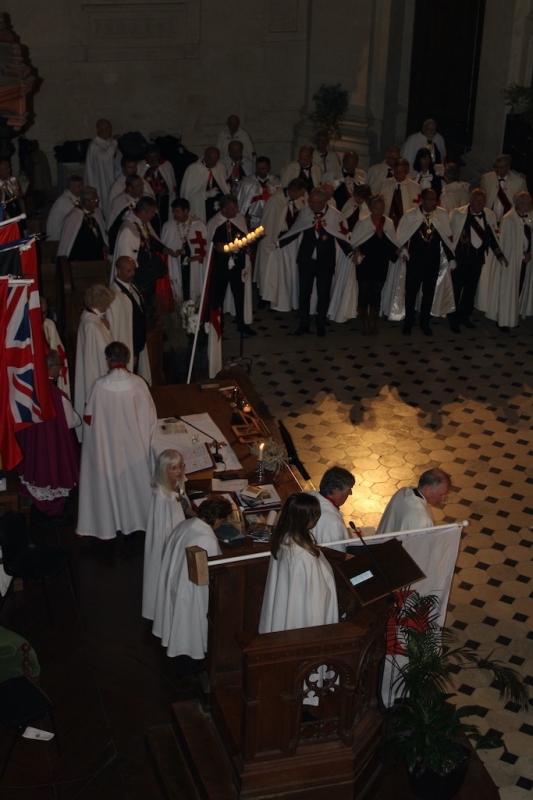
(23, 399)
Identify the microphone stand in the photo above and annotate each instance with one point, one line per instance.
(392, 597)
(217, 458)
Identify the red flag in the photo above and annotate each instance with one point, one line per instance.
(9, 450)
(9, 231)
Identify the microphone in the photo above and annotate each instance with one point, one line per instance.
(392, 597)
(217, 458)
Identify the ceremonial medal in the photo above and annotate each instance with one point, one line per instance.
(428, 231)
(325, 237)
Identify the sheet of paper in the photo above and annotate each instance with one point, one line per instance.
(228, 486)
(188, 441)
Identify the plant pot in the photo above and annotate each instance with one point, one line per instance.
(429, 785)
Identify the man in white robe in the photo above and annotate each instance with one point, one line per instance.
(279, 214)
(255, 190)
(231, 133)
(231, 269)
(515, 240)
(119, 422)
(123, 202)
(328, 160)
(237, 165)
(345, 178)
(128, 166)
(53, 340)
(475, 236)
(427, 137)
(455, 193)
(378, 172)
(501, 185)
(317, 250)
(204, 183)
(356, 206)
(159, 174)
(425, 235)
(303, 168)
(408, 510)
(180, 618)
(62, 208)
(84, 234)
(186, 236)
(100, 165)
(127, 317)
(335, 488)
(400, 192)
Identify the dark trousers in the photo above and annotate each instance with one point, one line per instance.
(222, 275)
(307, 272)
(420, 274)
(465, 278)
(369, 294)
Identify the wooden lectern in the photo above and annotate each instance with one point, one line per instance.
(274, 745)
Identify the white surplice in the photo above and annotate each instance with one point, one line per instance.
(120, 316)
(405, 511)
(118, 425)
(101, 168)
(180, 618)
(503, 298)
(164, 514)
(93, 338)
(194, 185)
(174, 235)
(330, 527)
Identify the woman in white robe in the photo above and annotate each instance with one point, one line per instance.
(300, 588)
(164, 514)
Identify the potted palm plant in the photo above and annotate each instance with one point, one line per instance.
(427, 731)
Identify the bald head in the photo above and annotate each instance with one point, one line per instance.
(211, 157)
(104, 129)
(305, 156)
(233, 122)
(125, 268)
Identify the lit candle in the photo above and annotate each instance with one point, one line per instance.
(261, 448)
(226, 248)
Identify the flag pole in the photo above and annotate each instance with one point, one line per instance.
(200, 319)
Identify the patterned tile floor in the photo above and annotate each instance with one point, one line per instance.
(389, 407)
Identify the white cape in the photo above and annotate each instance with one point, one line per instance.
(101, 168)
(58, 213)
(330, 527)
(164, 514)
(405, 511)
(71, 226)
(300, 591)
(503, 296)
(180, 618)
(197, 239)
(193, 185)
(93, 338)
(120, 316)
(118, 425)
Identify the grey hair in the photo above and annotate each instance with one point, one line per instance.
(87, 192)
(336, 479)
(98, 295)
(117, 353)
(227, 200)
(160, 478)
(432, 478)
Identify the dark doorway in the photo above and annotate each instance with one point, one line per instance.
(447, 39)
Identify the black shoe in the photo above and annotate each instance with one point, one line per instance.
(467, 324)
(300, 331)
(454, 326)
(62, 520)
(407, 328)
(246, 330)
(320, 330)
(504, 328)
(426, 330)
(261, 303)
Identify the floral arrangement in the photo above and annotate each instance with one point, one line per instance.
(274, 454)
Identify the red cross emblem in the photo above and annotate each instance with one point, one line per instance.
(344, 229)
(200, 244)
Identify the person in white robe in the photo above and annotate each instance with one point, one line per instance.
(408, 509)
(300, 589)
(328, 160)
(255, 190)
(501, 185)
(400, 192)
(186, 236)
(303, 168)
(424, 172)
(378, 172)
(455, 193)
(515, 240)
(180, 618)
(427, 137)
(345, 178)
(164, 515)
(316, 252)
(119, 422)
(477, 249)
(334, 490)
(159, 174)
(234, 132)
(127, 318)
(425, 236)
(94, 334)
(123, 202)
(204, 183)
(356, 206)
(237, 165)
(231, 278)
(84, 234)
(101, 165)
(279, 214)
(376, 250)
(62, 208)
(53, 340)
(128, 166)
